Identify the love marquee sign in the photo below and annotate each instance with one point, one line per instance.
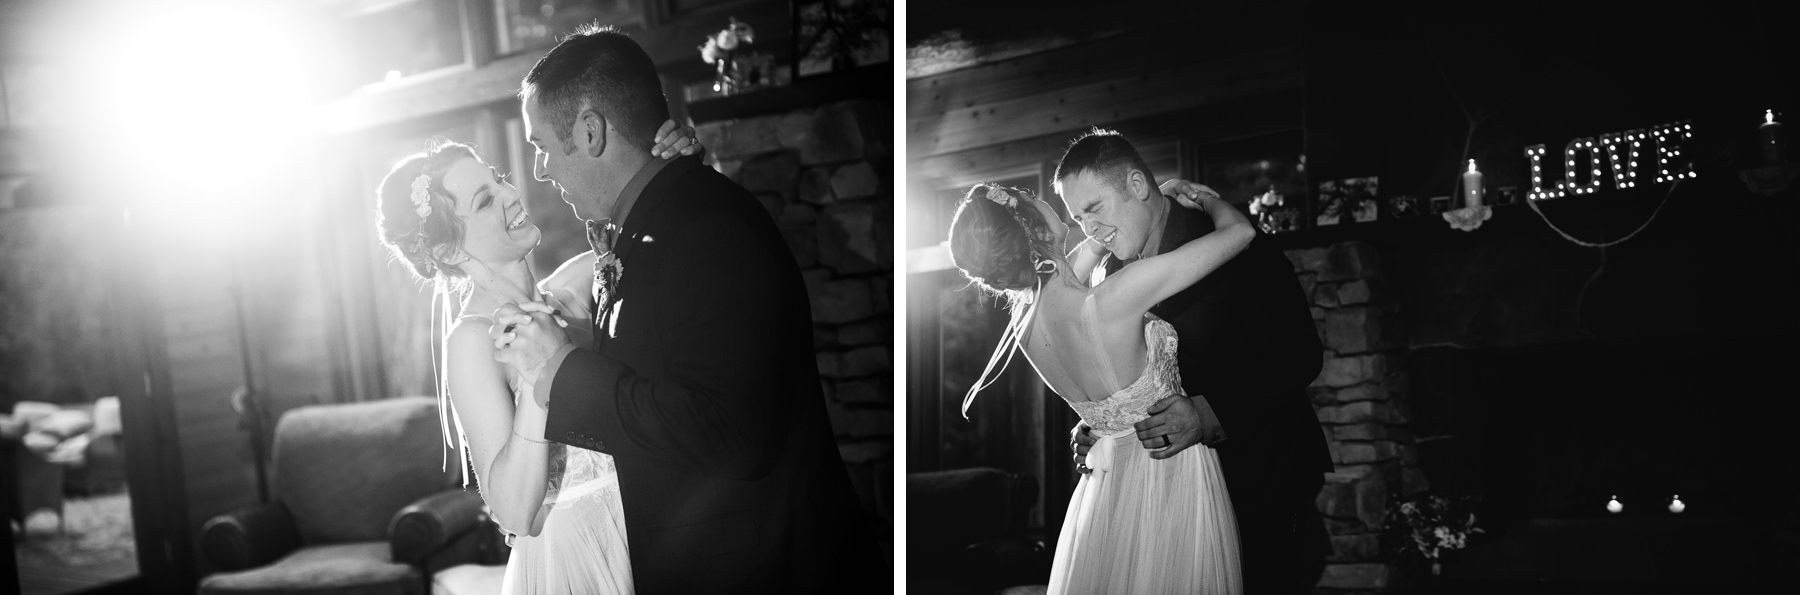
(1623, 153)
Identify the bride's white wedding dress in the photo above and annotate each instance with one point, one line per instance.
(582, 547)
(1139, 525)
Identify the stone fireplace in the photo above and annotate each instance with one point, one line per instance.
(1545, 432)
(1361, 400)
(824, 173)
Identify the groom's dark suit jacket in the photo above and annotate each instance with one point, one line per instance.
(1249, 345)
(706, 392)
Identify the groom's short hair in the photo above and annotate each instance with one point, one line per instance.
(1107, 154)
(603, 69)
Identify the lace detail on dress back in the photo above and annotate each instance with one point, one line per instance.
(1161, 378)
(572, 468)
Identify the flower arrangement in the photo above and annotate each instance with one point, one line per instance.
(720, 45)
(1265, 207)
(1429, 525)
(723, 50)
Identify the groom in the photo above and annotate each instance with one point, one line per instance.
(1248, 351)
(701, 380)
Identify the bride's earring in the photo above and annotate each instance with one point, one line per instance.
(1046, 267)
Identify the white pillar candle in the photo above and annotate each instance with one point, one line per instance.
(1472, 186)
(1772, 150)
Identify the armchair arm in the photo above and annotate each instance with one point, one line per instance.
(428, 525)
(249, 537)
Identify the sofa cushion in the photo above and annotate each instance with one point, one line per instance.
(344, 470)
(468, 579)
(343, 569)
(65, 423)
(107, 421)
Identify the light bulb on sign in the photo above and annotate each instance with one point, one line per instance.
(1613, 506)
(1570, 174)
(1676, 506)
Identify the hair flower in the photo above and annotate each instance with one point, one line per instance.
(421, 195)
(1003, 198)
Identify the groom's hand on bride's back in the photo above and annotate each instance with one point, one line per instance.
(1183, 421)
(1081, 440)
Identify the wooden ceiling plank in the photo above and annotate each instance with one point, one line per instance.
(1256, 116)
(1112, 58)
(1185, 87)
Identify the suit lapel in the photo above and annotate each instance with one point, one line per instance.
(653, 197)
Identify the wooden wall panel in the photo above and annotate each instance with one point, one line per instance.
(199, 331)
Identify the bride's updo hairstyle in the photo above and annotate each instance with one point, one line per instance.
(1001, 245)
(423, 232)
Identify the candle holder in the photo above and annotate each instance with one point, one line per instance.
(1469, 218)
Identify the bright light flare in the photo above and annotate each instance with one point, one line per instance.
(196, 109)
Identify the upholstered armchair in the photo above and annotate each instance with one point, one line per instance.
(360, 502)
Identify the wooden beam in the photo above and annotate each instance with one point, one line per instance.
(1139, 52)
(674, 48)
(1212, 124)
(1184, 86)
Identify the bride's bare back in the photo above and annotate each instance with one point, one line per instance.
(1088, 343)
(1071, 352)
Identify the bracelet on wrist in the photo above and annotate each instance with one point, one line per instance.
(535, 441)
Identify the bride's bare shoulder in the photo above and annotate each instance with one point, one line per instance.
(469, 335)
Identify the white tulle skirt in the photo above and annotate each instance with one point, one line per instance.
(1139, 525)
(582, 548)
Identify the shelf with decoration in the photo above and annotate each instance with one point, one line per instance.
(837, 51)
(866, 82)
(1608, 206)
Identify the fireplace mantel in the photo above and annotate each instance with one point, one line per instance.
(1598, 218)
(868, 82)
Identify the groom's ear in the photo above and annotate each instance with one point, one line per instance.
(1134, 180)
(591, 126)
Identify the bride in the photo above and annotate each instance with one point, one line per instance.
(1134, 524)
(454, 222)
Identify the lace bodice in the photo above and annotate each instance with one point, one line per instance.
(571, 467)
(1161, 378)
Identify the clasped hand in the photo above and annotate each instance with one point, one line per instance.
(526, 335)
(1189, 194)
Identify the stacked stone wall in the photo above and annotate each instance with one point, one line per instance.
(1360, 398)
(825, 175)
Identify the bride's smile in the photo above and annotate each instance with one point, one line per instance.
(496, 226)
